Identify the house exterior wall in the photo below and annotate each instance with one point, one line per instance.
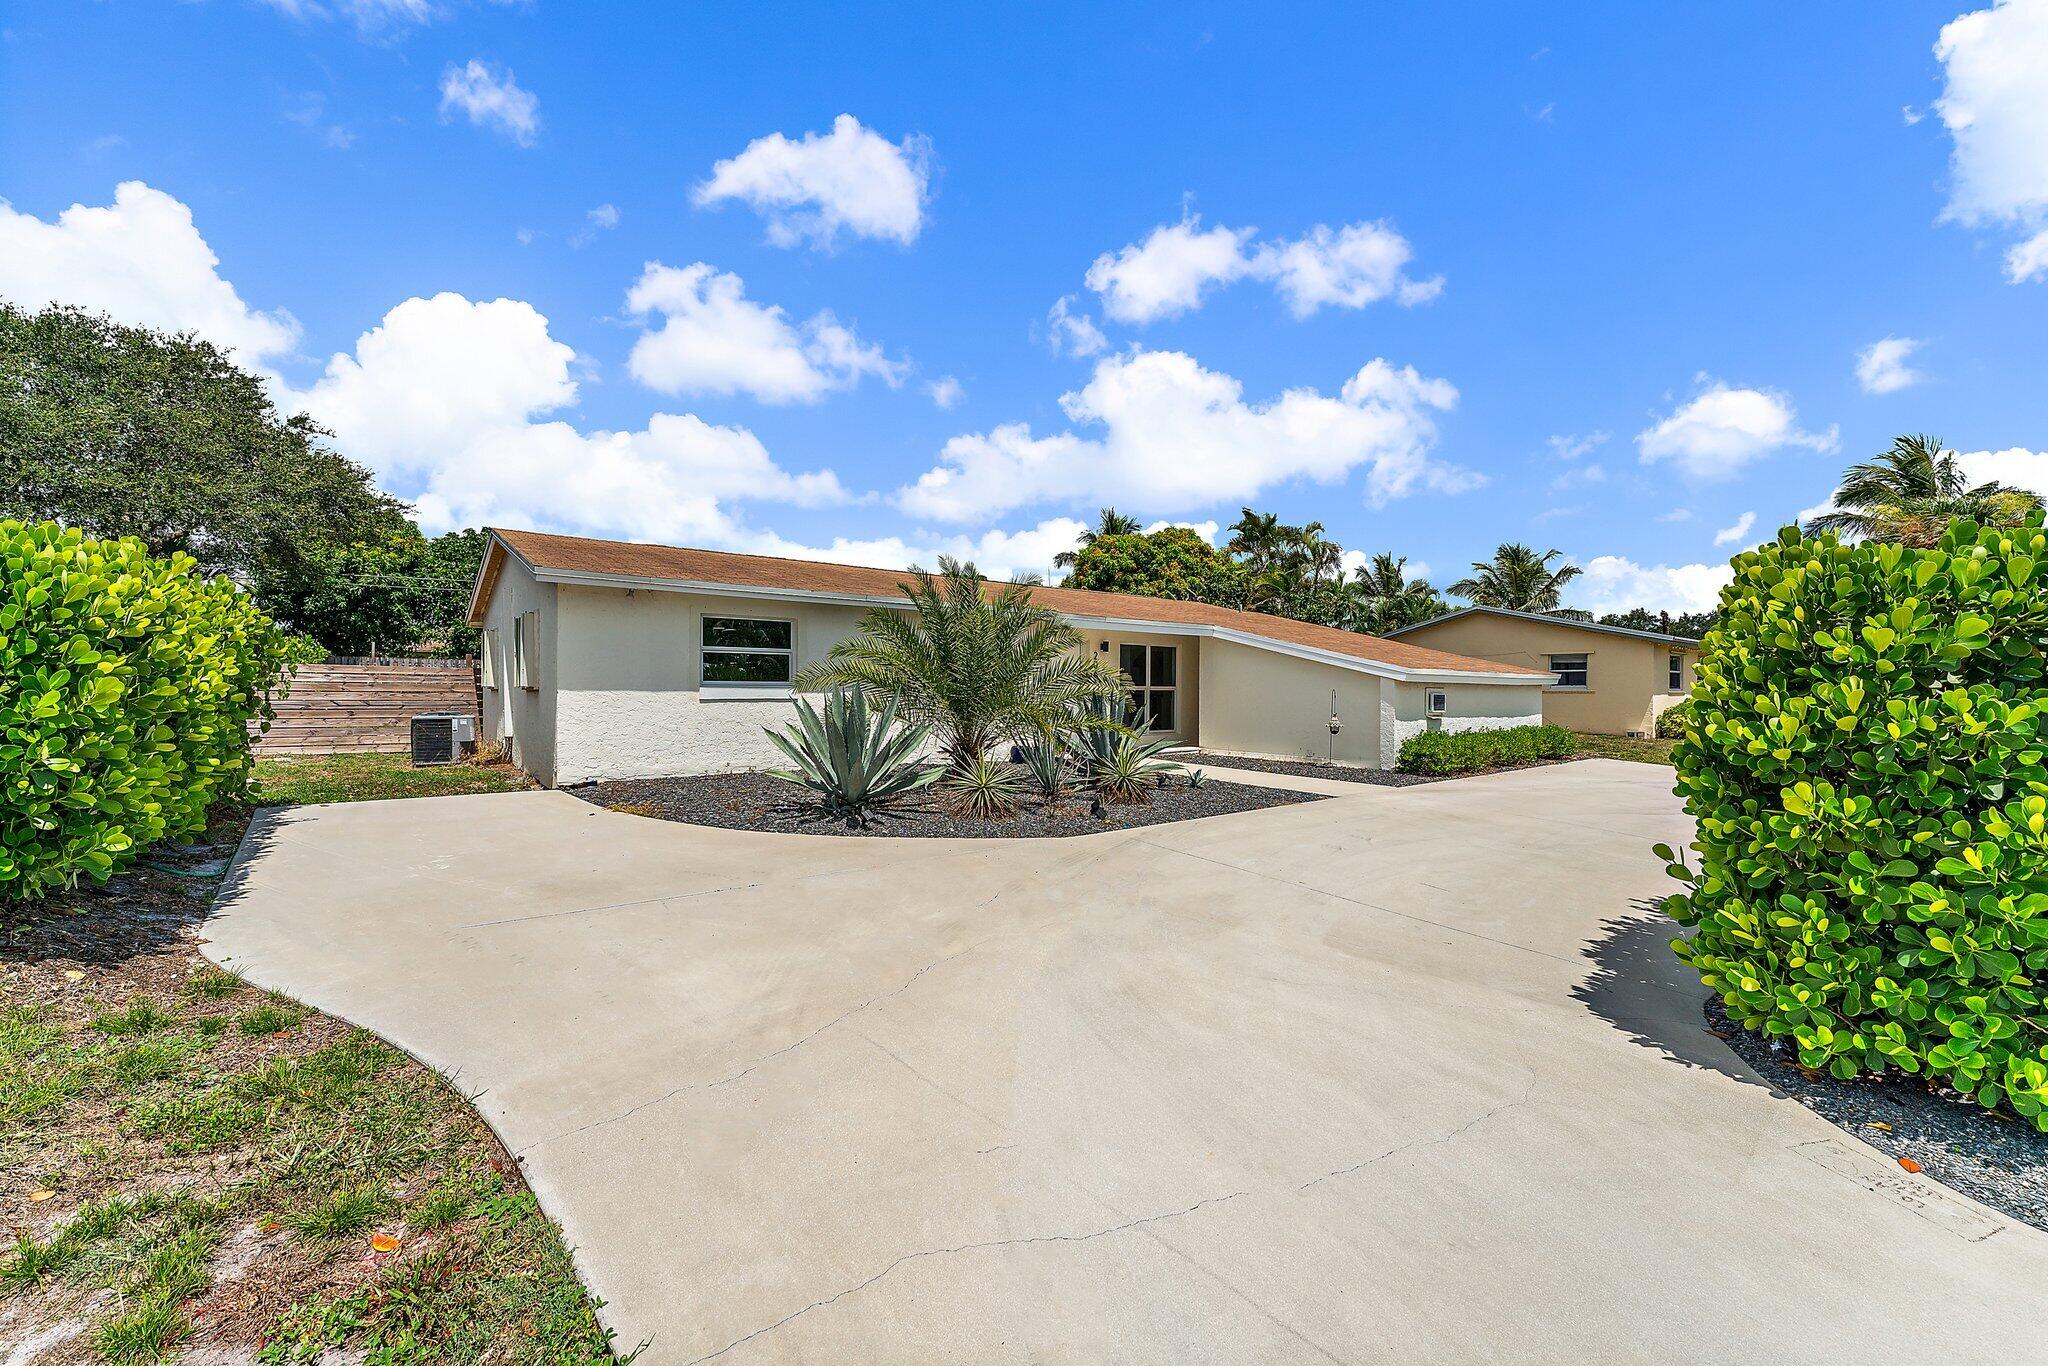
(523, 718)
(1258, 702)
(632, 704)
(1628, 680)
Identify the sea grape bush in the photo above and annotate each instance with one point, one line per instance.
(1865, 765)
(127, 685)
(1438, 752)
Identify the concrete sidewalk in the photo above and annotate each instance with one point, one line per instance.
(1404, 1075)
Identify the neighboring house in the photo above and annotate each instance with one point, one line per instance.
(1610, 680)
(603, 659)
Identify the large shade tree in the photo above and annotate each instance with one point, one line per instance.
(1516, 578)
(1910, 493)
(126, 431)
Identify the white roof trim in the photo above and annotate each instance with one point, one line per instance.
(1131, 625)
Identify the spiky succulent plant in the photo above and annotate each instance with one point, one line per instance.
(856, 758)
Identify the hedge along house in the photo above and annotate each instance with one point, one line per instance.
(603, 659)
(1611, 680)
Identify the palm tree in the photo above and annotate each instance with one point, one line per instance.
(1319, 556)
(1517, 578)
(1108, 522)
(979, 663)
(1259, 537)
(1910, 493)
(1385, 597)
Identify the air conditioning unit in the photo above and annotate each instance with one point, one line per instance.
(438, 737)
(1435, 702)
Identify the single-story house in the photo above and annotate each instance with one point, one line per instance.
(604, 659)
(1611, 680)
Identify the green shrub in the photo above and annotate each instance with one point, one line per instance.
(127, 684)
(1671, 721)
(1865, 768)
(1439, 753)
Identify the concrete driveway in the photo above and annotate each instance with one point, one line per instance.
(1407, 1074)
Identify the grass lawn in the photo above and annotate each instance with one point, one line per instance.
(187, 1162)
(1624, 747)
(374, 777)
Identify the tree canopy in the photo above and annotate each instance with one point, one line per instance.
(125, 431)
(1517, 578)
(1910, 493)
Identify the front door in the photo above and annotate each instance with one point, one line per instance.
(1154, 672)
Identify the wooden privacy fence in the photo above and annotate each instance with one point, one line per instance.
(366, 707)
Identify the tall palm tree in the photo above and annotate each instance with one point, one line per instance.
(1259, 537)
(979, 663)
(1387, 599)
(1911, 493)
(1320, 556)
(1108, 522)
(1516, 578)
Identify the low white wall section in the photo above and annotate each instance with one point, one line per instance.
(1468, 706)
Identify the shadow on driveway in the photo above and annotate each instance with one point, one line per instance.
(1641, 988)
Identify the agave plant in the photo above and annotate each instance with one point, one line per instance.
(984, 788)
(1045, 769)
(855, 758)
(1131, 763)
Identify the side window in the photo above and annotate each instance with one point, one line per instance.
(525, 647)
(743, 650)
(1571, 671)
(487, 658)
(1678, 673)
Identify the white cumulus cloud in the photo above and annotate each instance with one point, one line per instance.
(1730, 535)
(142, 261)
(811, 188)
(1881, 367)
(712, 339)
(1615, 583)
(999, 554)
(1174, 436)
(1174, 268)
(1721, 429)
(1071, 333)
(1994, 103)
(489, 97)
(2016, 465)
(946, 392)
(449, 398)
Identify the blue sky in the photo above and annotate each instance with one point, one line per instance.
(706, 273)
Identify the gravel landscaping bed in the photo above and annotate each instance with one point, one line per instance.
(755, 801)
(1986, 1154)
(1307, 768)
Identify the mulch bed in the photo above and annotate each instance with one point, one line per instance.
(1986, 1154)
(1308, 768)
(755, 801)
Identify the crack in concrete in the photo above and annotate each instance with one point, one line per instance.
(1425, 1142)
(970, 1247)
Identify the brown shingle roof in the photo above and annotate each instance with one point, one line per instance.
(584, 555)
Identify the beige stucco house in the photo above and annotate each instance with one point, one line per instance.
(1610, 680)
(603, 659)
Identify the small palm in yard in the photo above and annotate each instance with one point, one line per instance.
(979, 663)
(855, 758)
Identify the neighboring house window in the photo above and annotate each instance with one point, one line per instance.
(1437, 702)
(487, 664)
(1154, 671)
(525, 642)
(749, 650)
(1570, 670)
(1678, 673)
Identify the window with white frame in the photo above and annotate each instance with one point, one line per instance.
(487, 658)
(749, 651)
(1437, 702)
(1571, 671)
(1678, 673)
